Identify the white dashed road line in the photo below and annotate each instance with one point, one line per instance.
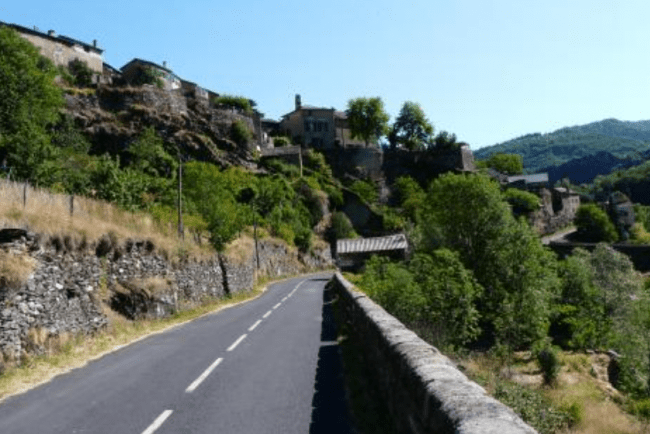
(251, 328)
(192, 387)
(158, 422)
(266, 315)
(277, 306)
(237, 342)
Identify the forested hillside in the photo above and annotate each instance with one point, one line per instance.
(627, 141)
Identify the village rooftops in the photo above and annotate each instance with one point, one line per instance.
(368, 245)
(146, 63)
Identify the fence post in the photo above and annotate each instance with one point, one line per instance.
(71, 205)
(24, 194)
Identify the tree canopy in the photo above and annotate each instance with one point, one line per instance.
(29, 102)
(411, 130)
(367, 119)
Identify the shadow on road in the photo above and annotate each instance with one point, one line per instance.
(329, 405)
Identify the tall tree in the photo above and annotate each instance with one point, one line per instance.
(467, 213)
(29, 102)
(367, 119)
(411, 129)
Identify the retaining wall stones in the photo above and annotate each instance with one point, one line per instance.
(72, 282)
(423, 389)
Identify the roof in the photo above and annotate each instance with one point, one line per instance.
(377, 244)
(61, 39)
(311, 107)
(148, 63)
(535, 178)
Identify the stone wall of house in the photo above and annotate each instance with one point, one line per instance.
(61, 54)
(423, 389)
(73, 283)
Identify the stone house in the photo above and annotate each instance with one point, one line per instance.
(533, 182)
(62, 50)
(317, 127)
(133, 71)
(194, 91)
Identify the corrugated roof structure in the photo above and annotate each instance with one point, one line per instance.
(367, 245)
(535, 178)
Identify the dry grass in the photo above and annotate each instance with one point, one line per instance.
(240, 250)
(580, 385)
(49, 214)
(15, 268)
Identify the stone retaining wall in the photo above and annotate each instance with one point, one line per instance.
(73, 283)
(423, 389)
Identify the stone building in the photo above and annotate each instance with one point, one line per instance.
(133, 71)
(317, 127)
(62, 50)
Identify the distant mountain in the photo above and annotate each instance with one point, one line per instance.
(627, 141)
(583, 170)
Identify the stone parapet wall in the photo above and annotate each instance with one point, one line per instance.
(423, 389)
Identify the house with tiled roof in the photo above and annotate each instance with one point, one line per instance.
(62, 50)
(317, 127)
(134, 71)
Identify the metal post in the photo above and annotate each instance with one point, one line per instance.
(24, 194)
(71, 205)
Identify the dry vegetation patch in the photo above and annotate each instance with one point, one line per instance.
(15, 268)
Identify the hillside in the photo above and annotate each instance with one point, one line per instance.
(541, 152)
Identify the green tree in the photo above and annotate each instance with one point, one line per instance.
(522, 202)
(411, 130)
(29, 102)
(410, 196)
(509, 164)
(367, 119)
(467, 214)
(594, 225)
(451, 293)
(148, 155)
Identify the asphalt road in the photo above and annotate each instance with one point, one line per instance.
(267, 366)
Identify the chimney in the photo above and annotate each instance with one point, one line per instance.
(164, 64)
(51, 33)
(298, 102)
(94, 43)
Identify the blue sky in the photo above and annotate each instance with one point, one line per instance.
(487, 71)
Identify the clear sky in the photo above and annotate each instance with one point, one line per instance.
(485, 70)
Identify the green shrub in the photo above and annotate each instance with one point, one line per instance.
(549, 362)
(234, 101)
(341, 227)
(281, 141)
(366, 190)
(533, 407)
(83, 75)
(240, 133)
(521, 201)
(594, 225)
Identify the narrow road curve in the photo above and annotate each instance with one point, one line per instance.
(267, 366)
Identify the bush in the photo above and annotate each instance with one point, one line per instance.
(549, 362)
(83, 75)
(236, 102)
(240, 133)
(594, 225)
(281, 141)
(341, 227)
(521, 201)
(366, 190)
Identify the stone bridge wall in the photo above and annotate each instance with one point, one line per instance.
(423, 389)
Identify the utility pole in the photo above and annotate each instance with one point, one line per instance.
(181, 231)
